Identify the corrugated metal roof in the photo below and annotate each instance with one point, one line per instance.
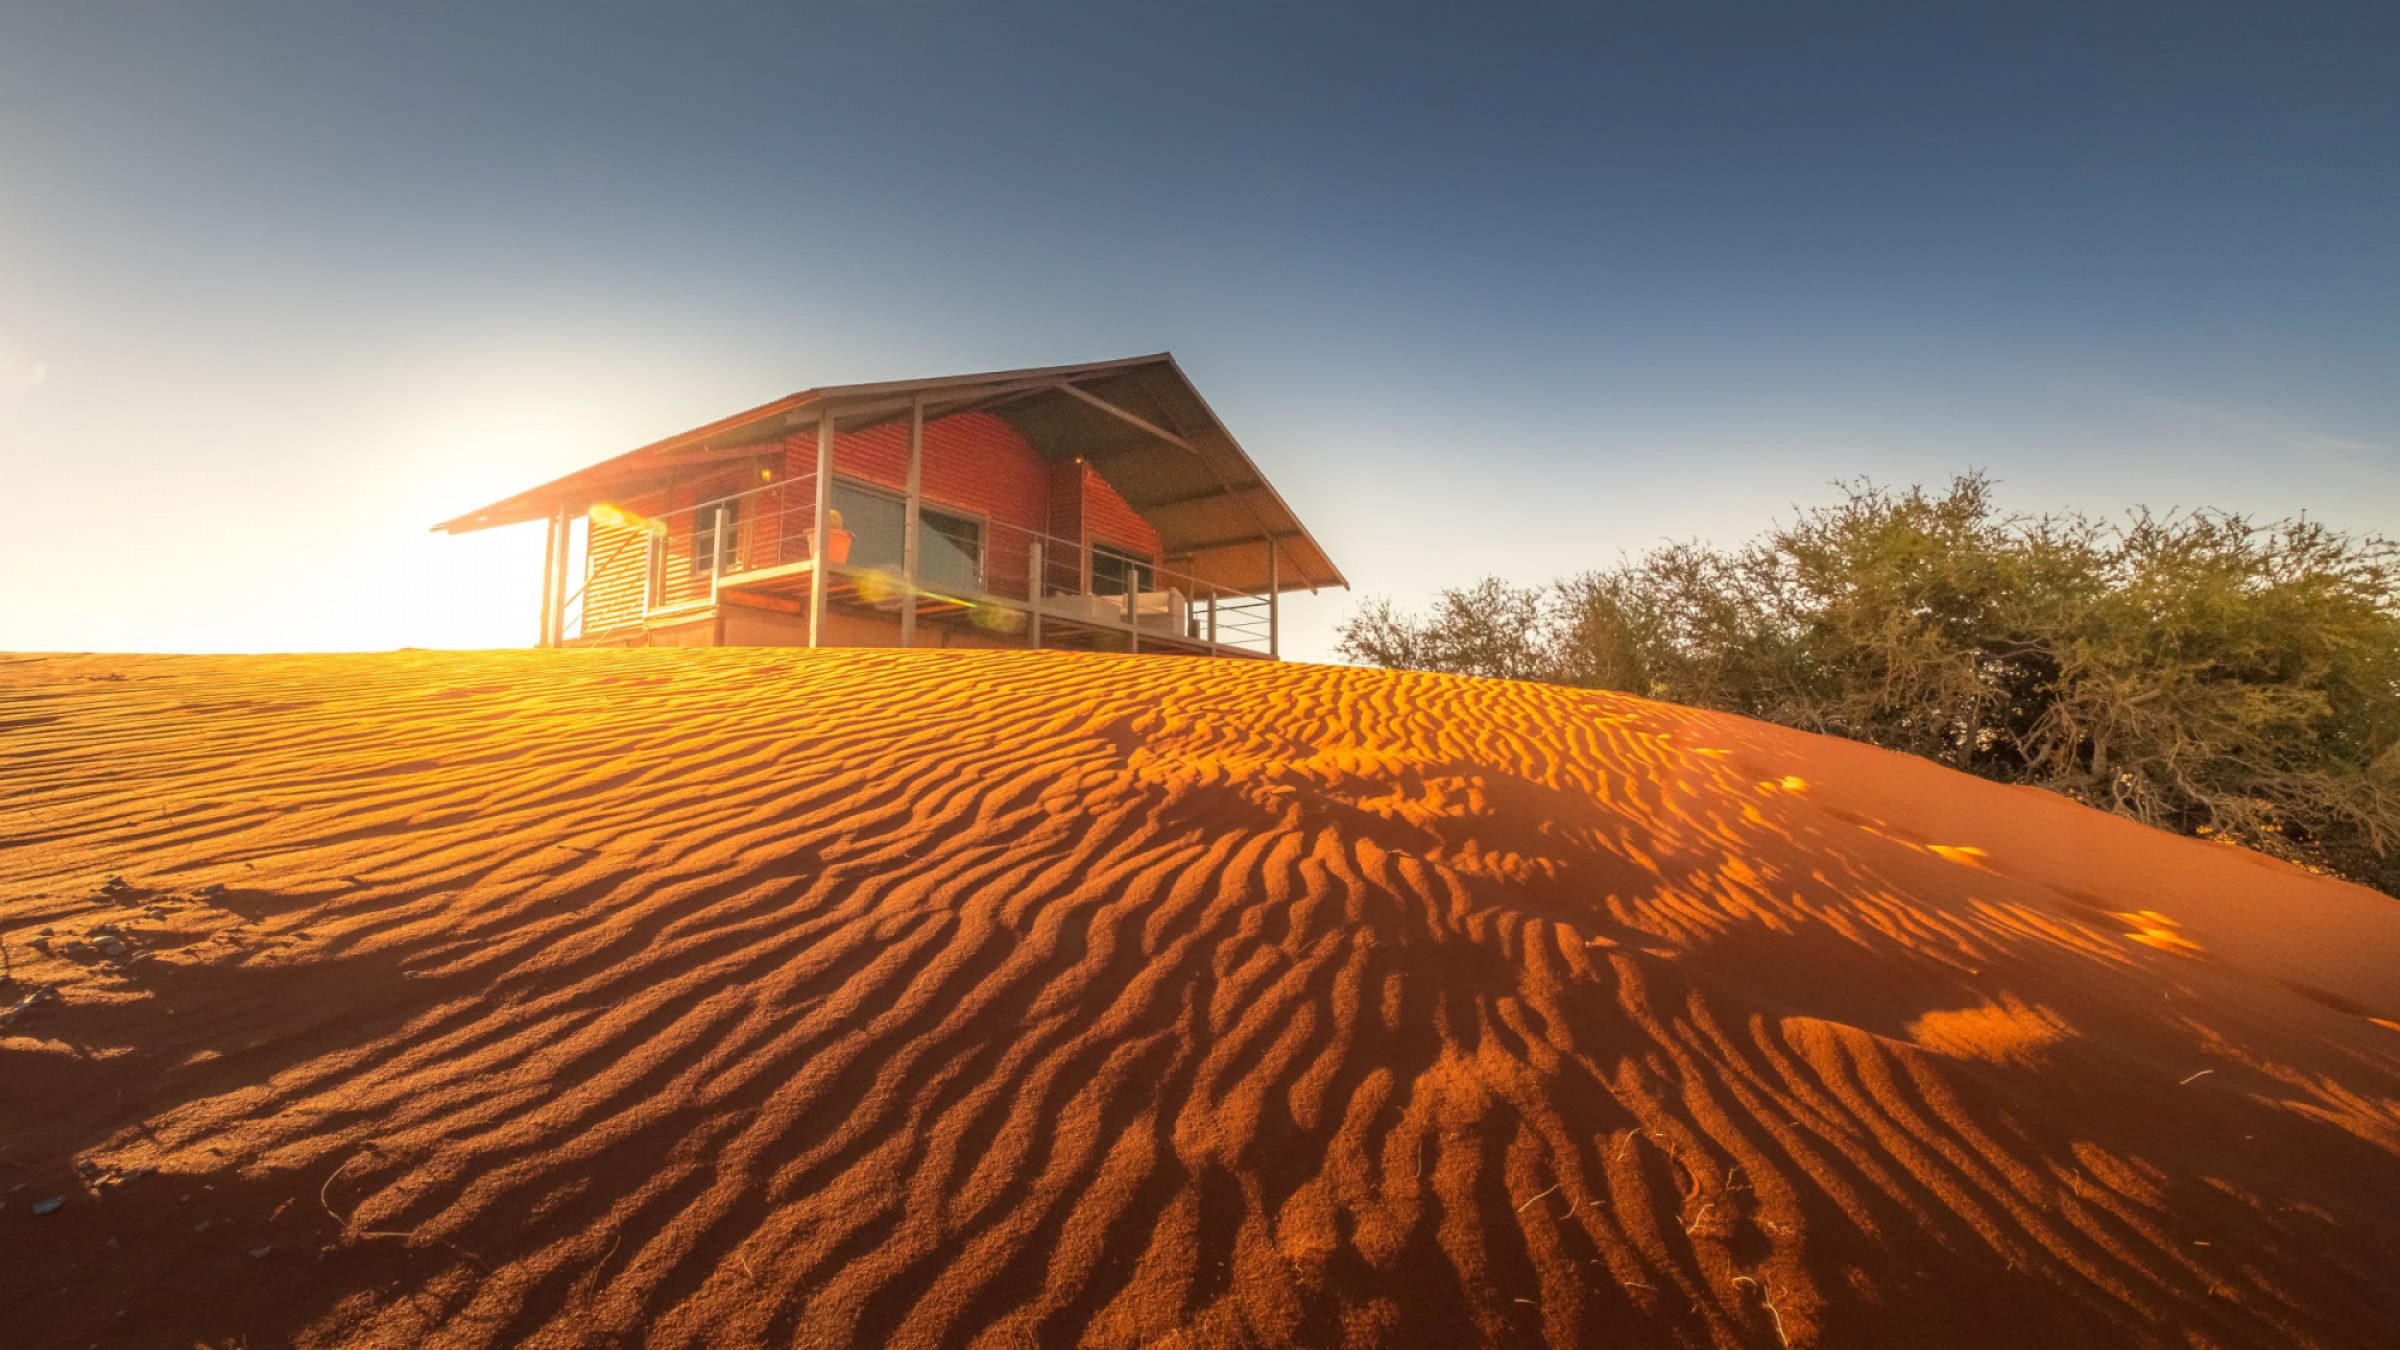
(1138, 421)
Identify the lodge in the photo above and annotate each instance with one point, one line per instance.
(1100, 506)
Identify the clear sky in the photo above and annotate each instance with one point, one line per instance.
(1483, 290)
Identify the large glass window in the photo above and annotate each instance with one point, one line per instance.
(949, 551)
(874, 521)
(949, 546)
(1116, 574)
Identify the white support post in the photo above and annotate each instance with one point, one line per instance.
(1212, 618)
(1274, 602)
(820, 529)
(1133, 606)
(549, 578)
(558, 606)
(908, 528)
(1033, 592)
(716, 549)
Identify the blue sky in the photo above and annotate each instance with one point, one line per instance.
(1503, 292)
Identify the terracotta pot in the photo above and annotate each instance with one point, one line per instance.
(837, 545)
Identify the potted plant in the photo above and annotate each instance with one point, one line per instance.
(837, 539)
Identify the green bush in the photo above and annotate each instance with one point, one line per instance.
(2195, 672)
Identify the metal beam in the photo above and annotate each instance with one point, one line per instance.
(1193, 550)
(686, 458)
(1128, 418)
(1218, 493)
(820, 529)
(850, 394)
(859, 416)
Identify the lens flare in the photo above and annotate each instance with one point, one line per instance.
(609, 513)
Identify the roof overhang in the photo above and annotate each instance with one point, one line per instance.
(1138, 422)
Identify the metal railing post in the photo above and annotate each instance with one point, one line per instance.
(1274, 603)
(1212, 618)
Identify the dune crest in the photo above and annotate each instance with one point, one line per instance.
(1015, 998)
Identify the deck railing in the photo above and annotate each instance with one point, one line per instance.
(638, 564)
(1003, 575)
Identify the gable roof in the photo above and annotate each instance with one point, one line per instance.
(1137, 421)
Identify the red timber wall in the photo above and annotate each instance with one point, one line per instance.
(617, 561)
(1085, 511)
(612, 586)
(975, 464)
(1110, 523)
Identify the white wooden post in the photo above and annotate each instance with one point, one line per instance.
(716, 549)
(1274, 603)
(820, 528)
(549, 578)
(566, 551)
(908, 528)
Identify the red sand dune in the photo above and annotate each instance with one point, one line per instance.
(1008, 999)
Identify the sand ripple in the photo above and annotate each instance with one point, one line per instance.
(876, 998)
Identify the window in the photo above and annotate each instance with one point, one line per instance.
(949, 546)
(708, 551)
(949, 551)
(1116, 574)
(874, 521)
